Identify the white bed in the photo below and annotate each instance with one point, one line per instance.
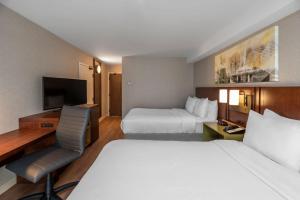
(170, 124)
(162, 124)
(160, 170)
(145, 120)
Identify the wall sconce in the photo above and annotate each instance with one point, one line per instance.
(245, 98)
(98, 69)
(223, 95)
(223, 98)
(234, 97)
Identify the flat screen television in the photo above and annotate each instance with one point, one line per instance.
(58, 92)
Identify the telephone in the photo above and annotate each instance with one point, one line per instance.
(232, 129)
(222, 122)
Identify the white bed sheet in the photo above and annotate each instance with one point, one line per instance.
(160, 170)
(151, 121)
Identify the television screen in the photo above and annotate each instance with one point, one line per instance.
(60, 91)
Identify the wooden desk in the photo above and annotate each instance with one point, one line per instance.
(37, 132)
(14, 142)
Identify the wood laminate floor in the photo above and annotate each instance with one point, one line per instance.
(109, 130)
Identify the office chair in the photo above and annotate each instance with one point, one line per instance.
(70, 136)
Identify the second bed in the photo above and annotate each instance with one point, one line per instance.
(170, 124)
(162, 124)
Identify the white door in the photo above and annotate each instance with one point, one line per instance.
(86, 73)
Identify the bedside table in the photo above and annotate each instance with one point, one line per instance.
(212, 131)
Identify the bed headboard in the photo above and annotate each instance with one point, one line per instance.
(283, 100)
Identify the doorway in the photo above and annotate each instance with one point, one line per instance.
(115, 94)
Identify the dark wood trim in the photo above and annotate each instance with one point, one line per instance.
(257, 101)
(97, 85)
(283, 100)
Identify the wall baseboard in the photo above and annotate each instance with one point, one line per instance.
(102, 118)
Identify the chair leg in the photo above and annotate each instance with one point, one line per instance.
(49, 186)
(66, 186)
(52, 197)
(33, 196)
(50, 193)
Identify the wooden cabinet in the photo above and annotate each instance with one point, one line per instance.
(94, 121)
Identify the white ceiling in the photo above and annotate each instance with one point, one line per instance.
(110, 29)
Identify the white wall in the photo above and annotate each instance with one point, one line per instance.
(28, 52)
(154, 82)
(86, 72)
(289, 57)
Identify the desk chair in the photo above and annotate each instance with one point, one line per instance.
(70, 136)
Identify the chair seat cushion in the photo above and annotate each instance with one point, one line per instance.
(35, 166)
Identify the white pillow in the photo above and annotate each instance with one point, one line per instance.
(201, 107)
(190, 104)
(212, 111)
(270, 114)
(276, 138)
(254, 134)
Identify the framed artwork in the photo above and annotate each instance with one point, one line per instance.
(253, 60)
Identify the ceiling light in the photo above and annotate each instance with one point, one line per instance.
(111, 59)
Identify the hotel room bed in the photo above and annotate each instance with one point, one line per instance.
(147, 170)
(163, 124)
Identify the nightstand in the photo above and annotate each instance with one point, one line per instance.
(213, 131)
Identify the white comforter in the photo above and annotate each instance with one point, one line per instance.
(160, 170)
(142, 120)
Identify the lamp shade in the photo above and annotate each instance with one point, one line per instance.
(234, 97)
(223, 95)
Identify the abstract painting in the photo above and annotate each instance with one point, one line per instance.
(253, 60)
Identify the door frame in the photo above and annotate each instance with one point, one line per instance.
(95, 62)
(108, 89)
